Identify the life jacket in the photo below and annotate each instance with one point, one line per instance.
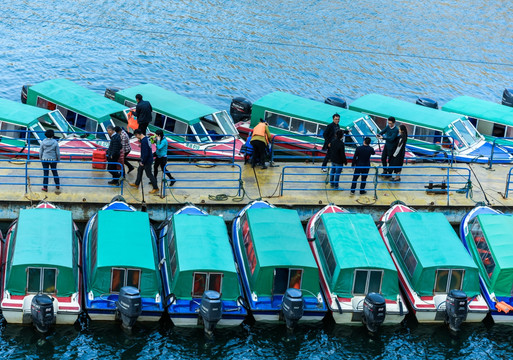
(259, 130)
(132, 122)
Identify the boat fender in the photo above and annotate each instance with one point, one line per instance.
(242, 301)
(338, 305)
(401, 311)
(503, 307)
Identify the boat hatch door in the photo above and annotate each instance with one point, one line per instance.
(285, 278)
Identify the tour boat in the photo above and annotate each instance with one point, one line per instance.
(488, 234)
(121, 277)
(41, 278)
(439, 278)
(201, 284)
(434, 133)
(278, 271)
(191, 128)
(358, 277)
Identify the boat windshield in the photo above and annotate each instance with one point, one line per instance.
(46, 122)
(469, 134)
(226, 123)
(61, 121)
(200, 130)
(458, 143)
(364, 130)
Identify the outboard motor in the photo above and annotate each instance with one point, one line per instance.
(292, 307)
(129, 306)
(210, 310)
(240, 109)
(41, 310)
(110, 93)
(374, 311)
(24, 93)
(456, 309)
(507, 97)
(336, 101)
(427, 103)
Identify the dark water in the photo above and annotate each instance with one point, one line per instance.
(214, 50)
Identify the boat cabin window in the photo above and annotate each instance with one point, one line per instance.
(213, 128)
(225, 122)
(427, 135)
(382, 122)
(285, 279)
(47, 123)
(366, 281)
(172, 252)
(458, 143)
(180, 128)
(130, 104)
(321, 129)
(124, 277)
(119, 119)
(277, 121)
(60, 121)
(402, 246)
(467, 131)
(509, 131)
(78, 120)
(13, 131)
(248, 246)
(326, 250)
(303, 127)
(447, 280)
(482, 247)
(197, 133)
(206, 281)
(45, 104)
(41, 280)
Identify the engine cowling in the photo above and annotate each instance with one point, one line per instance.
(430, 103)
(507, 97)
(42, 313)
(456, 309)
(129, 306)
(240, 109)
(374, 311)
(210, 310)
(292, 307)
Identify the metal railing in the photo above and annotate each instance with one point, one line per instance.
(508, 183)
(494, 145)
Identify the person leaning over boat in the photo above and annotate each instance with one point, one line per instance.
(329, 136)
(161, 156)
(145, 163)
(125, 143)
(143, 111)
(259, 141)
(50, 155)
(113, 155)
(397, 159)
(361, 163)
(338, 158)
(389, 134)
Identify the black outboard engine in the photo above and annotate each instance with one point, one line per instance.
(24, 93)
(210, 310)
(456, 309)
(240, 109)
(427, 103)
(374, 311)
(110, 93)
(292, 307)
(41, 310)
(129, 306)
(336, 101)
(507, 97)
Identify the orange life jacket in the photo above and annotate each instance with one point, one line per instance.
(260, 130)
(132, 122)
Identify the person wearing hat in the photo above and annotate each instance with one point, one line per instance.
(390, 134)
(259, 141)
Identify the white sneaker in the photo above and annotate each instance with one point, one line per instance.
(324, 170)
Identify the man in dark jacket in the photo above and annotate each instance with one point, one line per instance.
(361, 158)
(143, 113)
(113, 153)
(146, 162)
(390, 134)
(338, 158)
(329, 136)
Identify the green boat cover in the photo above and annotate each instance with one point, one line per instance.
(279, 241)
(202, 245)
(124, 240)
(357, 244)
(481, 109)
(403, 111)
(301, 108)
(44, 238)
(76, 98)
(20, 114)
(167, 102)
(498, 232)
(435, 246)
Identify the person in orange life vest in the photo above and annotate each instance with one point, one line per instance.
(259, 141)
(143, 112)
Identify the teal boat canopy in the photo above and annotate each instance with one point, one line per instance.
(20, 114)
(72, 96)
(202, 245)
(45, 238)
(124, 239)
(431, 254)
(356, 245)
(481, 109)
(166, 102)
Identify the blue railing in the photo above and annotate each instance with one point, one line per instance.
(508, 183)
(494, 145)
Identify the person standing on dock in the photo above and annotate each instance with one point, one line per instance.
(161, 156)
(113, 155)
(397, 159)
(259, 141)
(143, 112)
(329, 135)
(361, 163)
(390, 134)
(125, 143)
(145, 163)
(50, 155)
(338, 158)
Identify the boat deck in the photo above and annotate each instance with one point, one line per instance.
(88, 189)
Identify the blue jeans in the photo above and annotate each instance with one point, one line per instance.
(335, 171)
(46, 172)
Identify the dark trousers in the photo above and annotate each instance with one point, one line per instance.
(147, 169)
(258, 153)
(143, 127)
(357, 173)
(161, 162)
(386, 156)
(127, 163)
(326, 158)
(113, 168)
(46, 172)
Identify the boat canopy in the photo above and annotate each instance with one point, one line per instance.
(20, 114)
(74, 97)
(125, 240)
(497, 230)
(356, 244)
(278, 241)
(44, 239)
(166, 102)
(481, 109)
(431, 254)
(202, 245)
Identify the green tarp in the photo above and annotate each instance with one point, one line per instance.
(167, 102)
(44, 238)
(20, 114)
(481, 109)
(357, 244)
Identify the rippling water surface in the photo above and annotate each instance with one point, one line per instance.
(214, 50)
